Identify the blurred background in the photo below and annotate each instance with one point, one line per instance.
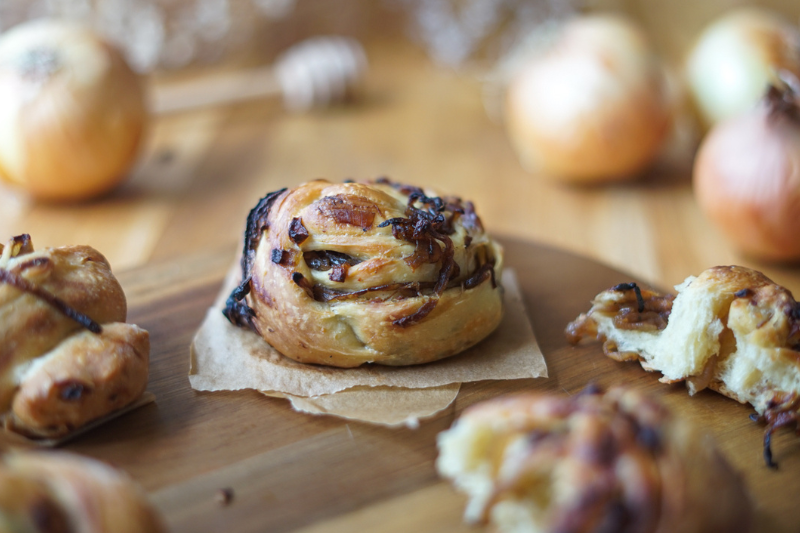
(430, 113)
(160, 35)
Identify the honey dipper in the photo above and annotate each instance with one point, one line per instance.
(317, 72)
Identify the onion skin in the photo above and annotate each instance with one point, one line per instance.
(72, 112)
(593, 107)
(734, 61)
(747, 182)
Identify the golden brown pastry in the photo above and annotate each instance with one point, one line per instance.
(589, 463)
(66, 493)
(353, 273)
(66, 358)
(731, 329)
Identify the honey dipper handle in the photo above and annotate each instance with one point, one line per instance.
(221, 89)
(314, 73)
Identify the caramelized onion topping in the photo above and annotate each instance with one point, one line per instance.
(60, 305)
(349, 209)
(408, 190)
(282, 257)
(236, 311)
(781, 411)
(481, 274)
(452, 207)
(650, 312)
(72, 390)
(641, 310)
(302, 282)
(424, 228)
(32, 263)
(637, 291)
(409, 289)
(323, 294)
(339, 273)
(423, 311)
(21, 245)
(470, 219)
(580, 328)
(297, 231)
(744, 293)
(324, 260)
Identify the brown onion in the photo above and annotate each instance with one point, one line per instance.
(736, 58)
(592, 106)
(72, 112)
(747, 177)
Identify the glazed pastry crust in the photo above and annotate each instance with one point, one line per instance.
(84, 378)
(60, 492)
(80, 276)
(55, 375)
(594, 462)
(730, 329)
(332, 316)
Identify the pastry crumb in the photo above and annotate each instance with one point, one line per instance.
(224, 496)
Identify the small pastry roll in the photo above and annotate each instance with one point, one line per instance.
(31, 322)
(66, 355)
(596, 462)
(353, 273)
(66, 493)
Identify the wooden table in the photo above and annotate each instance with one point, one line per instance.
(172, 230)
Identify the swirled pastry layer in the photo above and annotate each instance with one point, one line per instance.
(353, 273)
(67, 493)
(591, 463)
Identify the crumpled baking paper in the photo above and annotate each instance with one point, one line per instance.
(225, 357)
(388, 406)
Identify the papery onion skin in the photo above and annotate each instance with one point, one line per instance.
(592, 107)
(72, 112)
(747, 181)
(735, 59)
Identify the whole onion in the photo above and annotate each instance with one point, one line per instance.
(592, 106)
(735, 60)
(72, 112)
(747, 177)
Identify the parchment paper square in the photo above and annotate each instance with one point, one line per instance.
(225, 357)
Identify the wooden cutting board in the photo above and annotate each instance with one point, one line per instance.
(291, 471)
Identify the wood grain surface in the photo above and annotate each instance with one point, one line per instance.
(295, 472)
(172, 230)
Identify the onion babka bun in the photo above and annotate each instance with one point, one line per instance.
(730, 329)
(59, 492)
(378, 272)
(66, 356)
(590, 463)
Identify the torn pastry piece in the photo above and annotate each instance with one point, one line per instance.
(730, 329)
(62, 492)
(66, 355)
(353, 273)
(595, 462)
